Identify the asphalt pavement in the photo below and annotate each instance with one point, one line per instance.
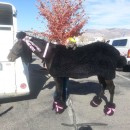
(34, 112)
(93, 118)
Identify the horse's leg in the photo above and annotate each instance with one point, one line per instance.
(58, 104)
(103, 84)
(109, 108)
(98, 99)
(65, 89)
(111, 88)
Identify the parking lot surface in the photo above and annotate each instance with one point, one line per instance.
(34, 112)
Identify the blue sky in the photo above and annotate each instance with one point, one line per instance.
(27, 14)
(108, 13)
(103, 14)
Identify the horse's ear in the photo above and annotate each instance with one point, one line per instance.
(20, 35)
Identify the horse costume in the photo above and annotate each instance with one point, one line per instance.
(93, 59)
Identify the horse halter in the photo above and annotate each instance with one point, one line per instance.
(34, 47)
(46, 49)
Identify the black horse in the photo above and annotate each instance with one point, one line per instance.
(97, 58)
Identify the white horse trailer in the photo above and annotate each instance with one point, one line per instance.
(13, 75)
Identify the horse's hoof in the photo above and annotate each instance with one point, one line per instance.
(95, 102)
(59, 107)
(109, 109)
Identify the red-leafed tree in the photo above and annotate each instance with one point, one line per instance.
(65, 18)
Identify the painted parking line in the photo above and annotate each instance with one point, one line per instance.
(122, 76)
(72, 113)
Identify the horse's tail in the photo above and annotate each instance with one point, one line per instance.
(126, 68)
(121, 62)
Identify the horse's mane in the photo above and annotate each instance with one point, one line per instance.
(97, 48)
(83, 53)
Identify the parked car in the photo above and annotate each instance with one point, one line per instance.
(123, 45)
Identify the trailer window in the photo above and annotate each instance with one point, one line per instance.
(6, 15)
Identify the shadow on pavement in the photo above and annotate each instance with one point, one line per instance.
(38, 76)
(83, 88)
(9, 109)
(85, 126)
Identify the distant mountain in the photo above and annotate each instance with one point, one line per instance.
(107, 33)
(93, 34)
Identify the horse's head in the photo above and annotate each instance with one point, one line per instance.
(17, 48)
(40, 47)
(16, 51)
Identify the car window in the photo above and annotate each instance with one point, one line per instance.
(121, 42)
